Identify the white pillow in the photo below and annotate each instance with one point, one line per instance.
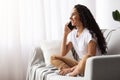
(113, 43)
(52, 47)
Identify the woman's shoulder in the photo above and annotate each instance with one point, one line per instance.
(86, 32)
(89, 35)
(72, 33)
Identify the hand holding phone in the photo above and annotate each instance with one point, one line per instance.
(70, 26)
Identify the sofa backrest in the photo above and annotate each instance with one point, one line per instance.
(112, 37)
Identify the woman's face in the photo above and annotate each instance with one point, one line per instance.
(75, 18)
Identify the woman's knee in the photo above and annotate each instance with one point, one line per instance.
(52, 59)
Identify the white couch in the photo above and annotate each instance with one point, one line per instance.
(105, 67)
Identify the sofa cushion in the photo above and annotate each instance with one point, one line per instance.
(55, 76)
(113, 42)
(52, 47)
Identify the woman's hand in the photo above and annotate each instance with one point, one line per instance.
(72, 69)
(65, 71)
(66, 29)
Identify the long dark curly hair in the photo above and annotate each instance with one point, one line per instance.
(89, 22)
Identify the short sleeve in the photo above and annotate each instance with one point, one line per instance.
(89, 38)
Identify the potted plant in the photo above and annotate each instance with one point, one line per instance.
(116, 15)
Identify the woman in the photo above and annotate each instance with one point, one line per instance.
(86, 39)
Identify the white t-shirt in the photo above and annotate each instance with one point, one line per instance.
(80, 43)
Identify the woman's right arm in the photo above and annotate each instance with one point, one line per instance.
(65, 47)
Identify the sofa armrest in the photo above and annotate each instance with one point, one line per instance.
(105, 67)
(36, 61)
(37, 57)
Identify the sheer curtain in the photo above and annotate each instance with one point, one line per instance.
(23, 25)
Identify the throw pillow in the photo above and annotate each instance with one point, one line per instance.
(52, 47)
(113, 43)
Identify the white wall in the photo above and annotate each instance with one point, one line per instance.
(104, 10)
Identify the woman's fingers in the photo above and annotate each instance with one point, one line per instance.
(64, 71)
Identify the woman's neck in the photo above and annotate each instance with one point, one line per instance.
(79, 30)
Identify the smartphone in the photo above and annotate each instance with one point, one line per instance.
(70, 26)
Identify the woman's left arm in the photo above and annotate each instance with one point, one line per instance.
(91, 51)
(91, 48)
